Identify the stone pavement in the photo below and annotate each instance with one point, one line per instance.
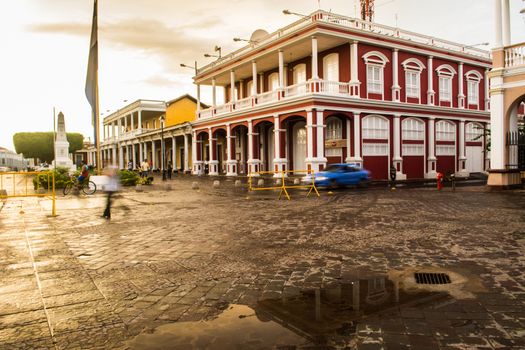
(336, 270)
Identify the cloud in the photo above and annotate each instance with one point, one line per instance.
(172, 45)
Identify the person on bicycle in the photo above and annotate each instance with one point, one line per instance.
(84, 173)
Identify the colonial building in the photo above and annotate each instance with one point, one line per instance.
(135, 133)
(329, 88)
(11, 161)
(507, 97)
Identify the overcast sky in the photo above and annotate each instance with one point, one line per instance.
(142, 42)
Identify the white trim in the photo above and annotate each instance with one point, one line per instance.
(368, 58)
(407, 64)
(441, 70)
(475, 73)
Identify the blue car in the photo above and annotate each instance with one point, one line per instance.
(341, 174)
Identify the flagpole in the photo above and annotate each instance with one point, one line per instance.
(97, 127)
(54, 139)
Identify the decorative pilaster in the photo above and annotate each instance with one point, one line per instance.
(278, 161)
(213, 163)
(198, 168)
(396, 89)
(231, 163)
(213, 92)
(397, 160)
(253, 162)
(186, 154)
(174, 152)
(431, 94)
(462, 159)
(431, 160)
(356, 159)
(354, 72)
(461, 95)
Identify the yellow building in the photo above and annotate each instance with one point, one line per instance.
(135, 133)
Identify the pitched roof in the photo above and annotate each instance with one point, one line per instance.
(188, 96)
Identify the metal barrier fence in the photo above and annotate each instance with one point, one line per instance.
(20, 184)
(284, 181)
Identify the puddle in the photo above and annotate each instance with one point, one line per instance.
(314, 317)
(237, 327)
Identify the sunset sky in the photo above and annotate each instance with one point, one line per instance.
(142, 43)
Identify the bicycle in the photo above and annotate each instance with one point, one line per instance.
(86, 186)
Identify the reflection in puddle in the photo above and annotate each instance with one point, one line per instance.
(307, 317)
(236, 328)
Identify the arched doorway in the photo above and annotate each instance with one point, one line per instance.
(299, 145)
(240, 145)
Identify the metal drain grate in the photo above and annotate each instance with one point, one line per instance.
(431, 278)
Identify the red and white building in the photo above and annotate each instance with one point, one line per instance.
(329, 89)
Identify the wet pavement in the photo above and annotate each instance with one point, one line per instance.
(227, 269)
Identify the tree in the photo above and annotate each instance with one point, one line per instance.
(40, 144)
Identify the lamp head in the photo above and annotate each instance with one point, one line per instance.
(217, 48)
(287, 12)
(236, 39)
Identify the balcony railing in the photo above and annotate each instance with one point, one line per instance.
(515, 55)
(297, 89)
(244, 103)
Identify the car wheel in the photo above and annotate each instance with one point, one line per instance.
(333, 184)
(363, 183)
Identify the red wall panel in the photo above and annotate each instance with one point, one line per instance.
(377, 165)
(414, 167)
(446, 164)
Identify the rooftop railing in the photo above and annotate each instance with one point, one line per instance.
(353, 23)
(515, 55)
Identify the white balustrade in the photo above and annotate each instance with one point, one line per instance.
(515, 55)
(296, 89)
(226, 108)
(334, 88)
(244, 103)
(267, 97)
(206, 113)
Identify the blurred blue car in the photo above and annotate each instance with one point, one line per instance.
(340, 174)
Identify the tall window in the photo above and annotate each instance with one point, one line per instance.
(375, 127)
(413, 129)
(333, 131)
(474, 132)
(445, 88)
(374, 79)
(375, 64)
(413, 68)
(473, 79)
(299, 73)
(331, 67)
(273, 81)
(445, 131)
(446, 74)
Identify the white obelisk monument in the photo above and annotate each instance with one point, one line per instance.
(62, 146)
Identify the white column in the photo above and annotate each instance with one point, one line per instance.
(254, 77)
(431, 160)
(315, 74)
(461, 95)
(125, 123)
(321, 159)
(197, 164)
(198, 98)
(153, 155)
(213, 164)
(430, 91)
(232, 87)
(145, 149)
(281, 69)
(252, 163)
(114, 155)
(487, 92)
(104, 131)
(354, 72)
(396, 89)
(241, 89)
(309, 136)
(348, 140)
(357, 139)
(186, 153)
(231, 164)
(505, 25)
(121, 156)
(119, 128)
(214, 93)
(498, 39)
(174, 152)
(462, 158)
(261, 82)
(140, 119)
(278, 162)
(133, 155)
(132, 122)
(397, 160)
(113, 130)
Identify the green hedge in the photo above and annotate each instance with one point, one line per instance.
(132, 178)
(61, 178)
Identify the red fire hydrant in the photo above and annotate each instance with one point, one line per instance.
(439, 181)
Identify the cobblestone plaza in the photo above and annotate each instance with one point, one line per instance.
(228, 269)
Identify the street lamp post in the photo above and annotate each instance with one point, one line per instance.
(162, 168)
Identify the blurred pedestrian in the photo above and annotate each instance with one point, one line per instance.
(144, 167)
(130, 165)
(111, 187)
(170, 170)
